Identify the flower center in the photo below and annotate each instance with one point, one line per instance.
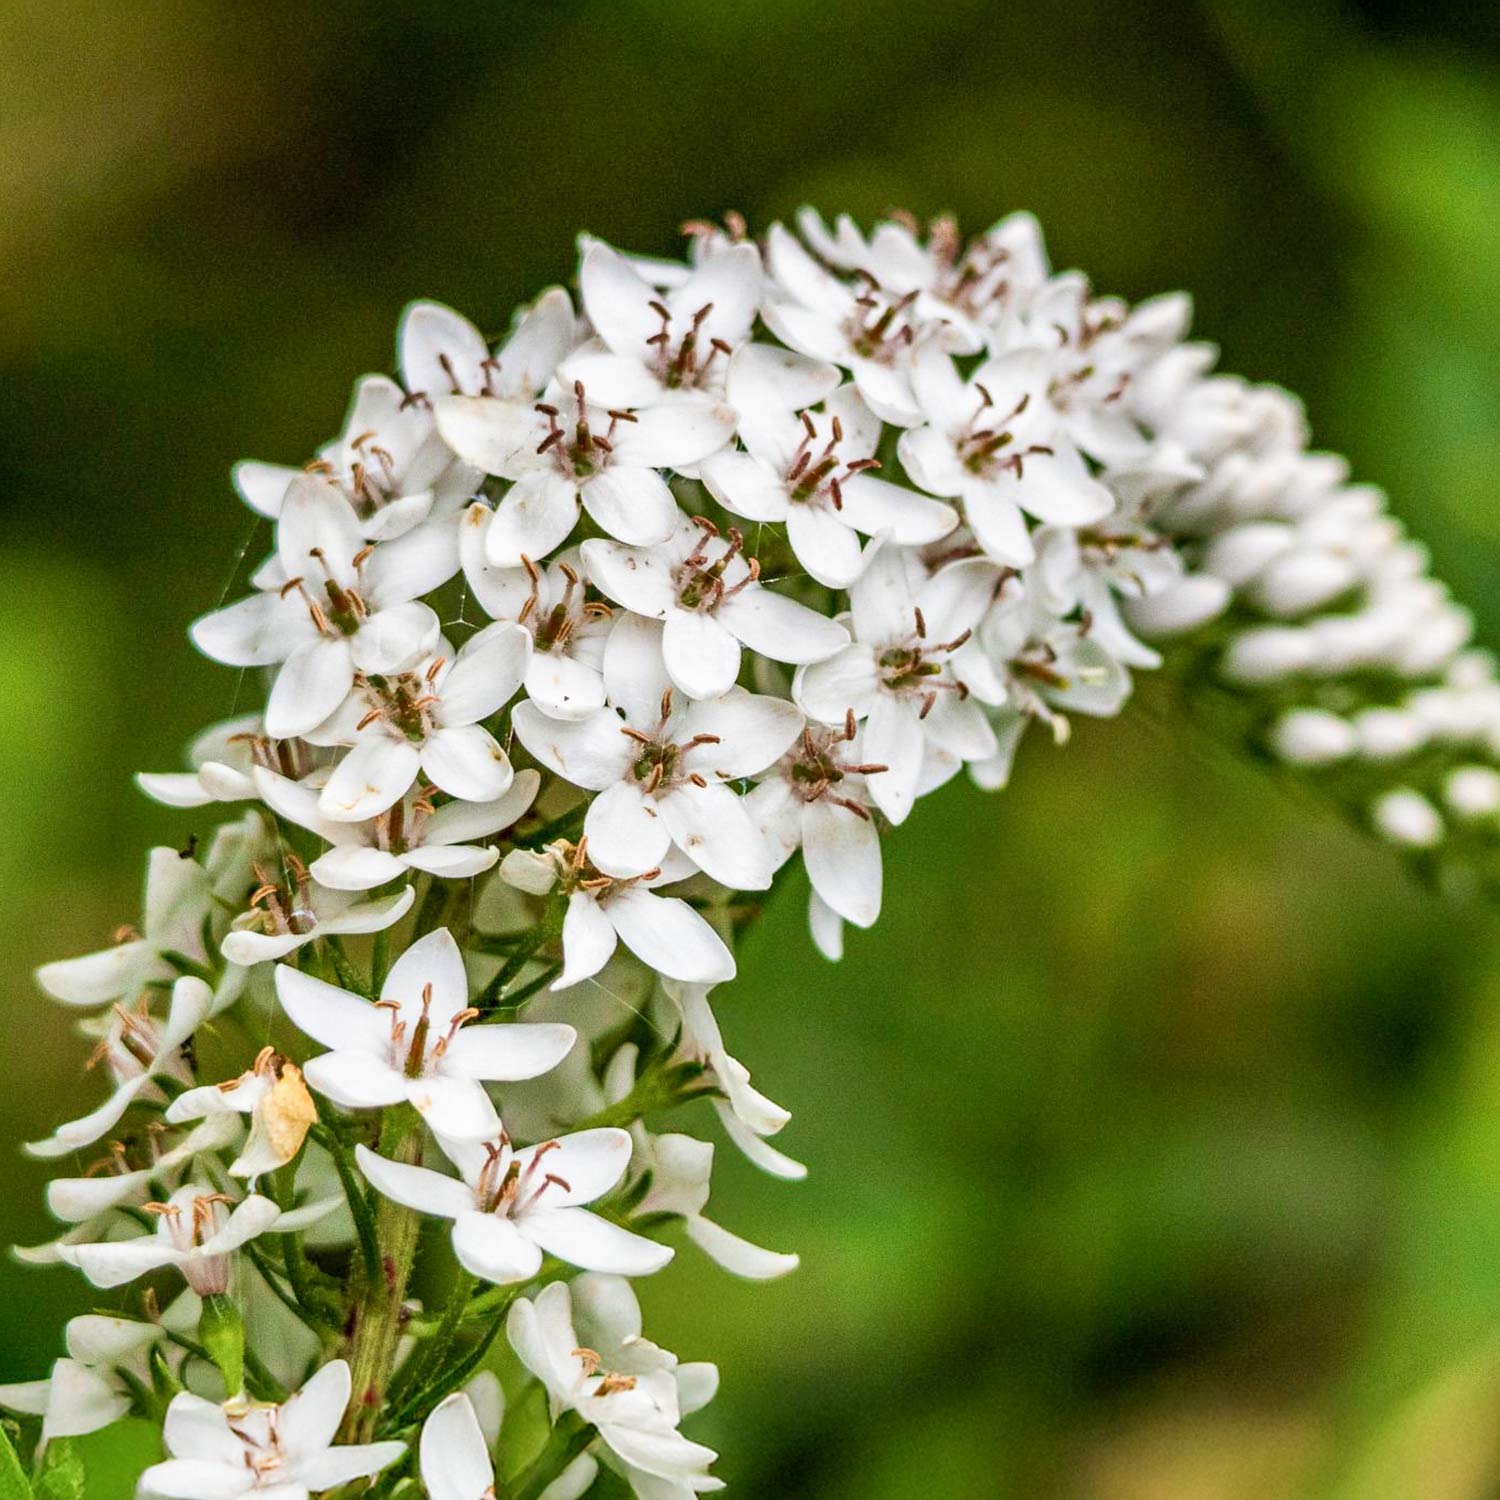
(405, 700)
(700, 583)
(412, 1055)
(906, 667)
(881, 327)
(581, 452)
(658, 763)
(982, 445)
(684, 367)
(812, 473)
(284, 907)
(552, 629)
(816, 767)
(343, 610)
(508, 1189)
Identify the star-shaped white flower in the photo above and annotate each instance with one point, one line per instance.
(567, 451)
(512, 1207)
(633, 1393)
(812, 471)
(994, 442)
(341, 605)
(288, 913)
(567, 628)
(426, 719)
(138, 1049)
(711, 602)
(897, 676)
(664, 932)
(661, 770)
(657, 346)
(249, 1448)
(198, 1233)
(413, 1044)
(410, 835)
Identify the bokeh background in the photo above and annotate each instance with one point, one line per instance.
(1155, 1135)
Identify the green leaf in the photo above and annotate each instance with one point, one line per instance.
(13, 1485)
(62, 1475)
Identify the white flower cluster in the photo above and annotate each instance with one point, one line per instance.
(569, 644)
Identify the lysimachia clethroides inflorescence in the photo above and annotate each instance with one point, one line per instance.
(570, 642)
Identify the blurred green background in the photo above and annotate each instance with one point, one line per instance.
(1155, 1136)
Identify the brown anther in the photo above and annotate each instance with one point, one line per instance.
(921, 623)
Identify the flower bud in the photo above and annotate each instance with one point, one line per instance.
(1313, 737)
(1407, 818)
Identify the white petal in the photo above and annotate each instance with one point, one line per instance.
(753, 730)
(498, 436)
(893, 738)
(194, 1479)
(115, 1264)
(998, 524)
(956, 597)
(372, 777)
(588, 1162)
(262, 486)
(702, 657)
(824, 545)
(542, 336)
(563, 687)
(588, 941)
(96, 978)
(746, 485)
(434, 960)
(781, 628)
(451, 861)
(507, 1052)
(330, 1015)
(395, 636)
(590, 753)
(455, 1458)
(253, 632)
(485, 674)
(667, 935)
(492, 1248)
(355, 868)
(738, 1256)
(635, 577)
(317, 534)
(311, 684)
(710, 825)
(357, 1080)
(466, 761)
(673, 435)
(633, 505)
(429, 334)
(334, 1467)
(618, 302)
(624, 830)
(842, 853)
(584, 1239)
(459, 822)
(873, 505)
(420, 1188)
(453, 1106)
(532, 520)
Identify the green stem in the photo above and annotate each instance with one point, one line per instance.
(423, 1400)
(429, 1366)
(376, 1314)
(327, 1136)
(348, 976)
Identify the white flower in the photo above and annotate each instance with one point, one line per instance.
(198, 1233)
(285, 1451)
(992, 441)
(342, 605)
(747, 1115)
(273, 1094)
(426, 719)
(455, 1456)
(177, 904)
(812, 472)
(568, 451)
(867, 329)
(223, 759)
(681, 1169)
(1406, 818)
(1023, 658)
(897, 675)
(389, 464)
(656, 346)
(410, 835)
(287, 914)
(711, 602)
(972, 285)
(512, 1207)
(411, 1045)
(85, 1392)
(661, 773)
(138, 1049)
(632, 1393)
(567, 629)
(88, 1204)
(664, 932)
(442, 354)
(816, 799)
